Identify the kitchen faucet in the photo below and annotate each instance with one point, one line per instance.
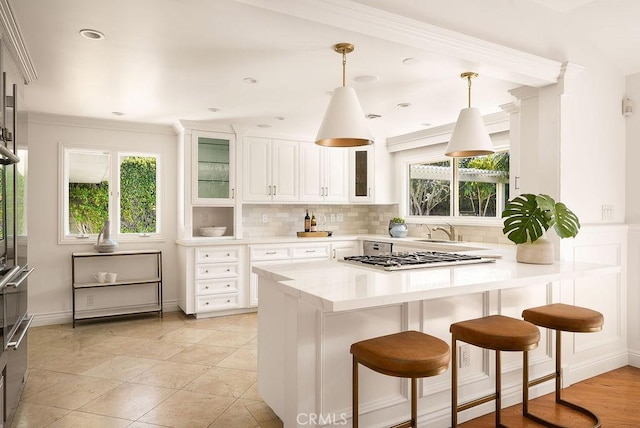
(428, 228)
(451, 233)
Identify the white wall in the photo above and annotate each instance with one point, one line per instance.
(632, 154)
(50, 284)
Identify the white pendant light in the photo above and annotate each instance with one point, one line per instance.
(470, 136)
(344, 123)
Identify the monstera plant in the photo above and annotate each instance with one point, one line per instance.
(526, 219)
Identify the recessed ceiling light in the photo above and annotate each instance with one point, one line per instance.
(404, 105)
(92, 34)
(366, 79)
(279, 118)
(249, 80)
(372, 116)
(117, 113)
(213, 109)
(263, 125)
(409, 61)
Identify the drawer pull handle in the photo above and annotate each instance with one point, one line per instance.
(228, 301)
(206, 255)
(310, 251)
(228, 270)
(270, 252)
(228, 254)
(206, 287)
(206, 303)
(228, 285)
(206, 271)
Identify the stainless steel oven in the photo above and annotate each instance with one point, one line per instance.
(14, 271)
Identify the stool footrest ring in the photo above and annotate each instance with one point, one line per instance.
(407, 424)
(571, 405)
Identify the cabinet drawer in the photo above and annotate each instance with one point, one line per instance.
(217, 303)
(277, 253)
(217, 271)
(311, 252)
(216, 255)
(217, 286)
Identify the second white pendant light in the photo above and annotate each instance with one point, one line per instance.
(344, 123)
(470, 136)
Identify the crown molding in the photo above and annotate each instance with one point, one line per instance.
(15, 43)
(93, 123)
(495, 123)
(498, 61)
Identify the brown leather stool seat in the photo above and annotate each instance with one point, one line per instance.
(409, 354)
(496, 332)
(559, 317)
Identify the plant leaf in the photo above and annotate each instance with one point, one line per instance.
(566, 223)
(523, 219)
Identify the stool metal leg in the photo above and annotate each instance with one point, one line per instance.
(354, 393)
(454, 383)
(558, 384)
(498, 389)
(414, 402)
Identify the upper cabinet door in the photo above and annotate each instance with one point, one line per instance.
(256, 177)
(284, 170)
(360, 174)
(336, 184)
(311, 167)
(213, 168)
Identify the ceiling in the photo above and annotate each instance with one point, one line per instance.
(165, 60)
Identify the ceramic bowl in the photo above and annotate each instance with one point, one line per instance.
(212, 230)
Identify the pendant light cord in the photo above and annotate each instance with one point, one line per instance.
(469, 89)
(344, 68)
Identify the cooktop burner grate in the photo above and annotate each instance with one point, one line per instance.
(415, 260)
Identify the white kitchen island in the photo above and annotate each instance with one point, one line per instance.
(311, 313)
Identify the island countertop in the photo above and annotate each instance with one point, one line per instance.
(334, 286)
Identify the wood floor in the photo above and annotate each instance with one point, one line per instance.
(613, 396)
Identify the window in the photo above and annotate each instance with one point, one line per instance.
(464, 187)
(100, 185)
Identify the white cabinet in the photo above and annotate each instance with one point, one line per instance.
(261, 255)
(341, 249)
(361, 174)
(213, 168)
(273, 254)
(324, 172)
(207, 179)
(214, 278)
(371, 175)
(270, 170)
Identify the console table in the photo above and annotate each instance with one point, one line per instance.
(82, 279)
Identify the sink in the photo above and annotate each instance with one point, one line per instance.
(439, 241)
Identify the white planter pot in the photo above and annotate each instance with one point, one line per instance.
(539, 252)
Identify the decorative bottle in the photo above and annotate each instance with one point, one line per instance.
(307, 222)
(314, 224)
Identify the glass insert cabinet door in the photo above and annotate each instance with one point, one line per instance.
(213, 168)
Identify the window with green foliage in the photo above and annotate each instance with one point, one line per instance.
(472, 187)
(101, 185)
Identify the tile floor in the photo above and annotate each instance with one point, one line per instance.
(145, 372)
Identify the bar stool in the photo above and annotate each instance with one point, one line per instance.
(496, 332)
(409, 354)
(559, 317)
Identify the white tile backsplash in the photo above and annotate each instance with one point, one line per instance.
(286, 220)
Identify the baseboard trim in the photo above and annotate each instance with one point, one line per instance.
(65, 317)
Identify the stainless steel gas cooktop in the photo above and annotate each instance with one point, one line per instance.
(417, 260)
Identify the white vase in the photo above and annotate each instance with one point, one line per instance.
(539, 252)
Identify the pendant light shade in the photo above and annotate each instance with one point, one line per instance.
(470, 136)
(344, 123)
